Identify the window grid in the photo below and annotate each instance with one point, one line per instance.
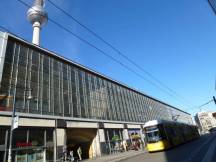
(61, 89)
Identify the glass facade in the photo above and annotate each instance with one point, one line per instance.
(62, 88)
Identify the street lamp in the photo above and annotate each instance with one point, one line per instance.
(29, 97)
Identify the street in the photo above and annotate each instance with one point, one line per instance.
(199, 150)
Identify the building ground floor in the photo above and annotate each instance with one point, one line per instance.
(46, 139)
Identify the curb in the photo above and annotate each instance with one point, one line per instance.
(118, 158)
(128, 156)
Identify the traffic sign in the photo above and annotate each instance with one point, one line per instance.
(15, 122)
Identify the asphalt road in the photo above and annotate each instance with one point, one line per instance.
(202, 149)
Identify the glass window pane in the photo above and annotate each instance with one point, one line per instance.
(20, 138)
(36, 137)
(2, 136)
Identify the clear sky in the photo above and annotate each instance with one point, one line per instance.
(173, 40)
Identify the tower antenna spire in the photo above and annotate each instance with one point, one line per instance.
(38, 17)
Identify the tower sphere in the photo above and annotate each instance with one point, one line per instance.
(37, 13)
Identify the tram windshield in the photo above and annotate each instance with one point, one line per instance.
(153, 134)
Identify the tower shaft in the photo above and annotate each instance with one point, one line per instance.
(36, 33)
(38, 17)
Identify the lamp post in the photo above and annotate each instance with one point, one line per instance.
(29, 97)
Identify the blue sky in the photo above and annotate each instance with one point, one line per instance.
(173, 40)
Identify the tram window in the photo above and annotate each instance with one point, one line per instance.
(170, 131)
(151, 128)
(153, 136)
(162, 132)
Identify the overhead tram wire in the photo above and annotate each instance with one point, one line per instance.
(2, 27)
(198, 107)
(117, 50)
(205, 103)
(104, 53)
(7, 30)
(108, 56)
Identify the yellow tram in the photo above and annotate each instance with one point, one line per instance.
(162, 134)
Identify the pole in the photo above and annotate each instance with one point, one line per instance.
(13, 114)
(12, 123)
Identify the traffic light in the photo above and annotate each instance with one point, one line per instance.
(214, 99)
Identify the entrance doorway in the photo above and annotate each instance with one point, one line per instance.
(81, 137)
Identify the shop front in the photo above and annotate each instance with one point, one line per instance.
(113, 141)
(136, 139)
(29, 145)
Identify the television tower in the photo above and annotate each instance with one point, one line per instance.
(38, 17)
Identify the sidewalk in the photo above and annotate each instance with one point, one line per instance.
(116, 157)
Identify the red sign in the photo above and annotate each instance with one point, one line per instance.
(23, 144)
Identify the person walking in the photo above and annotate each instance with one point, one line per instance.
(125, 145)
(79, 152)
(71, 156)
(64, 157)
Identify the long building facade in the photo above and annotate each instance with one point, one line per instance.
(62, 105)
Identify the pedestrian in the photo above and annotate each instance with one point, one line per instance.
(64, 158)
(79, 152)
(71, 156)
(125, 145)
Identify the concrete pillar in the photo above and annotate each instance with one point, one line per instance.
(125, 134)
(96, 149)
(61, 141)
(142, 136)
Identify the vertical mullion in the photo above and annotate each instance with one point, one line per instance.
(137, 107)
(41, 84)
(29, 78)
(125, 110)
(62, 89)
(49, 85)
(77, 93)
(26, 77)
(128, 105)
(133, 106)
(6, 143)
(38, 81)
(52, 87)
(12, 71)
(85, 95)
(59, 86)
(68, 90)
(91, 95)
